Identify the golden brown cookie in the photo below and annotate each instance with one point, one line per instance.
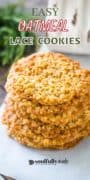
(49, 79)
(59, 116)
(19, 127)
(20, 131)
(48, 101)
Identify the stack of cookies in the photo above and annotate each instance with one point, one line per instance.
(48, 101)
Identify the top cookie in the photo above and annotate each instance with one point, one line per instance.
(49, 79)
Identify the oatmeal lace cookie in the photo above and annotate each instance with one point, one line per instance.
(48, 101)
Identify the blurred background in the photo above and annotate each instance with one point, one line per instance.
(12, 11)
(5, 63)
(28, 3)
